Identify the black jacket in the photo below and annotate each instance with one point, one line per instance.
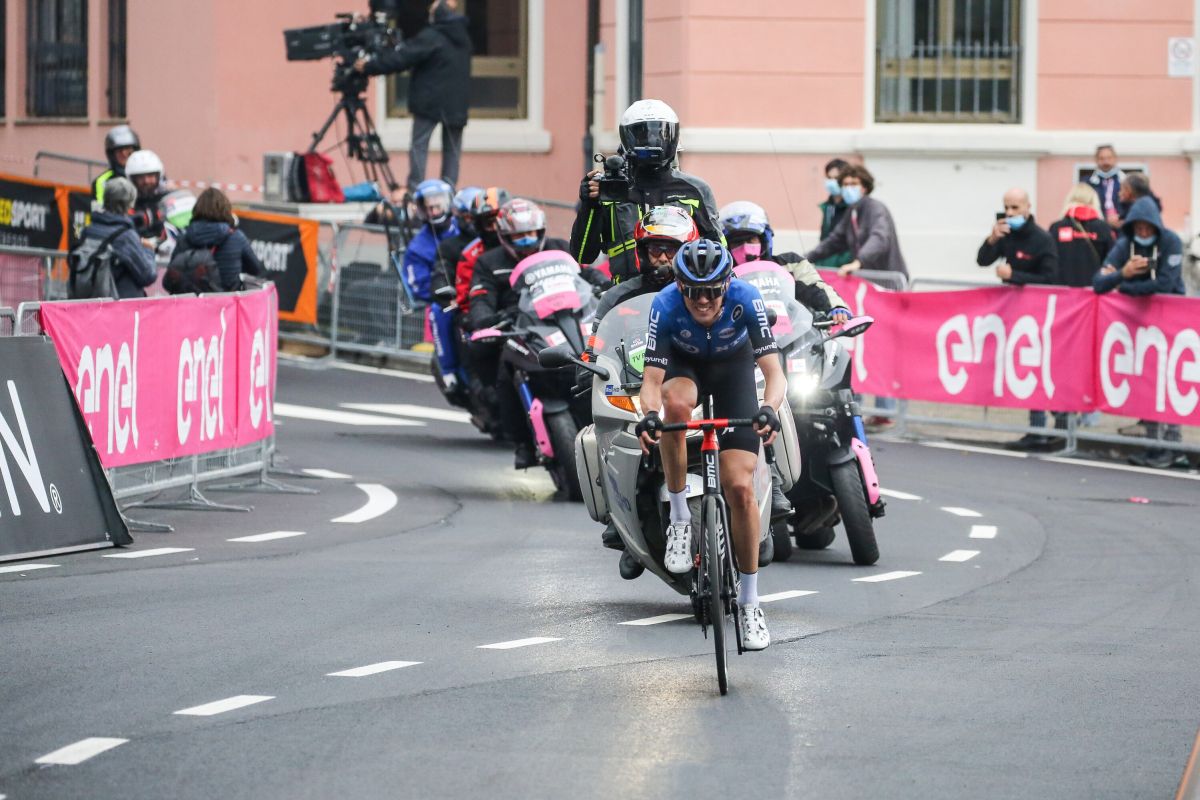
(1030, 252)
(234, 254)
(445, 267)
(149, 215)
(1083, 240)
(491, 293)
(133, 267)
(440, 59)
(606, 226)
(1166, 253)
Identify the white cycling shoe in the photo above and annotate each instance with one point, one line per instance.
(678, 558)
(755, 635)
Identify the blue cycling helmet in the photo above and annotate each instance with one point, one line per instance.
(703, 264)
(464, 199)
(742, 220)
(434, 198)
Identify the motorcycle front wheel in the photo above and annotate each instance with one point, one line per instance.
(852, 502)
(562, 431)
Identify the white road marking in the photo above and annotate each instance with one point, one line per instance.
(155, 551)
(771, 598)
(656, 620)
(391, 373)
(1162, 473)
(898, 495)
(983, 532)
(81, 751)
(372, 669)
(408, 410)
(327, 473)
(971, 448)
(267, 537)
(518, 643)
(959, 555)
(25, 567)
(961, 512)
(380, 500)
(886, 576)
(339, 417)
(221, 706)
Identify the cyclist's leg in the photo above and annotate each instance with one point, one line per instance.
(679, 398)
(737, 481)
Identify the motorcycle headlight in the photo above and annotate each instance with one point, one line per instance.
(801, 385)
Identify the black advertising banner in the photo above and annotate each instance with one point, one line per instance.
(78, 213)
(54, 497)
(29, 213)
(287, 246)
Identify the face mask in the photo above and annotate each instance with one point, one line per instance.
(1016, 223)
(1145, 241)
(832, 187)
(750, 251)
(851, 194)
(1107, 173)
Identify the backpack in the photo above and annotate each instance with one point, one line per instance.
(91, 264)
(194, 270)
(322, 186)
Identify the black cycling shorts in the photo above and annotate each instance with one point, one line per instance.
(731, 383)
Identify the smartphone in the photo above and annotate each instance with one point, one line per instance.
(1000, 215)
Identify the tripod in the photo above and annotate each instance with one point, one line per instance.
(362, 138)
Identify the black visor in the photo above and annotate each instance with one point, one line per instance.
(651, 141)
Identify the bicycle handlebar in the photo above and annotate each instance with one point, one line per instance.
(706, 424)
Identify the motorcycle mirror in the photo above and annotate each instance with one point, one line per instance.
(855, 327)
(555, 357)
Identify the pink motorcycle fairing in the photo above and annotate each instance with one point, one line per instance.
(868, 469)
(776, 285)
(550, 276)
(483, 334)
(537, 416)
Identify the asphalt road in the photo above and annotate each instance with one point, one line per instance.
(1054, 656)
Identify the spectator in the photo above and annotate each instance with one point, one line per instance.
(440, 59)
(214, 225)
(119, 144)
(382, 212)
(1106, 180)
(1147, 259)
(133, 263)
(1029, 257)
(1133, 186)
(832, 211)
(1081, 237)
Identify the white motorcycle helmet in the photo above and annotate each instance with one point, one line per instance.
(649, 132)
(144, 162)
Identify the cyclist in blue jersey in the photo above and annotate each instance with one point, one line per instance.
(707, 331)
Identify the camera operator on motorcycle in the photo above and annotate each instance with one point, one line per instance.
(441, 284)
(145, 169)
(649, 131)
(706, 334)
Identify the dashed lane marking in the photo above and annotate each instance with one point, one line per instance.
(971, 448)
(408, 410)
(959, 555)
(788, 595)
(898, 495)
(380, 500)
(391, 373)
(221, 706)
(327, 473)
(661, 618)
(339, 417)
(267, 537)
(886, 576)
(25, 567)
(372, 669)
(519, 643)
(80, 752)
(155, 551)
(961, 512)
(983, 532)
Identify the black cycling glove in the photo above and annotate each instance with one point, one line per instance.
(767, 418)
(651, 424)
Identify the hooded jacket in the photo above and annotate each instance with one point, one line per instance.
(1030, 252)
(440, 59)
(133, 267)
(1165, 254)
(1083, 240)
(233, 254)
(867, 231)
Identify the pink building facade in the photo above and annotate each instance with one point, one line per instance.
(948, 103)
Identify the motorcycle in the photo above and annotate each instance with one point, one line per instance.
(467, 389)
(556, 308)
(838, 481)
(617, 482)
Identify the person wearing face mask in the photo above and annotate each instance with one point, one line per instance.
(1106, 179)
(832, 211)
(433, 199)
(866, 230)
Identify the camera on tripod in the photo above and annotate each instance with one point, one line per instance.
(614, 183)
(347, 40)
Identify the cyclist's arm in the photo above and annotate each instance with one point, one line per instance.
(651, 394)
(776, 381)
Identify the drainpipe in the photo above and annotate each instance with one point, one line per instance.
(636, 28)
(594, 51)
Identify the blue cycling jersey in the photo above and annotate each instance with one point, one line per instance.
(743, 319)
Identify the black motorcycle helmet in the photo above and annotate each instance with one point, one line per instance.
(119, 137)
(649, 132)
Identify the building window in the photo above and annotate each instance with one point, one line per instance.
(57, 58)
(499, 64)
(948, 61)
(116, 58)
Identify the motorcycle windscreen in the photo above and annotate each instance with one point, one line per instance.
(778, 290)
(552, 281)
(626, 324)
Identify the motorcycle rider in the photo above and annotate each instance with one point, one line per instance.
(649, 131)
(707, 332)
(441, 281)
(454, 285)
(145, 169)
(119, 144)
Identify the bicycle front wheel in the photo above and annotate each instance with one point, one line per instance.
(717, 588)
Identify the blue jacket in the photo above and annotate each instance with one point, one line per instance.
(1166, 251)
(421, 257)
(133, 268)
(234, 254)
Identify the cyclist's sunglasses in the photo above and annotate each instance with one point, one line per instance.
(662, 249)
(703, 292)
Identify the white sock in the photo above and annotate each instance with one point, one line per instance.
(748, 591)
(679, 507)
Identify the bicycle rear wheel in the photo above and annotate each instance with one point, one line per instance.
(713, 565)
